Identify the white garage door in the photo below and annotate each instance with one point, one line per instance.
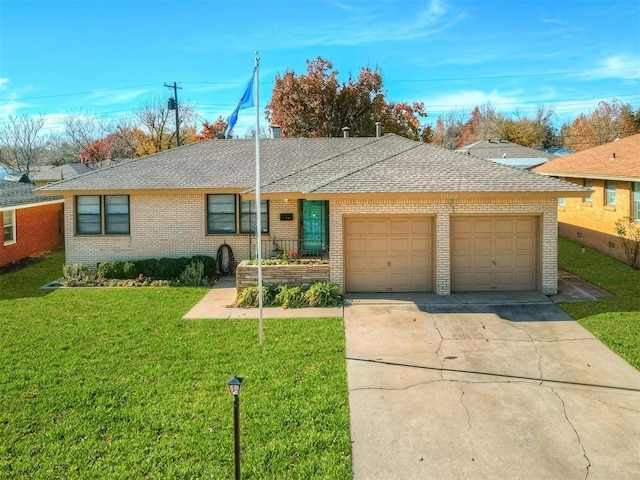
(494, 253)
(388, 254)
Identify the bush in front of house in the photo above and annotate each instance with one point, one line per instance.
(318, 294)
(156, 268)
(198, 270)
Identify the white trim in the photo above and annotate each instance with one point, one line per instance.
(13, 228)
(29, 205)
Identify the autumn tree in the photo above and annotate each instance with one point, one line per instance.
(214, 130)
(316, 104)
(447, 130)
(22, 143)
(157, 123)
(608, 121)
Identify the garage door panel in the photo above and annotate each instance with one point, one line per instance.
(524, 244)
(398, 244)
(378, 227)
(398, 253)
(505, 243)
(378, 245)
(357, 245)
(400, 227)
(357, 263)
(421, 227)
(494, 253)
(377, 263)
(482, 244)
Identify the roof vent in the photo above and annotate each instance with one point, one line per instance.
(345, 132)
(378, 129)
(275, 131)
(613, 156)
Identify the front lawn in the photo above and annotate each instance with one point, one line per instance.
(111, 383)
(614, 320)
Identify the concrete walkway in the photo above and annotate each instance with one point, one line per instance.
(218, 304)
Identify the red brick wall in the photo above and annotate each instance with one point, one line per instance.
(38, 229)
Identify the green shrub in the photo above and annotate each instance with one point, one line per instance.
(323, 294)
(158, 269)
(248, 297)
(79, 275)
(116, 269)
(193, 275)
(289, 297)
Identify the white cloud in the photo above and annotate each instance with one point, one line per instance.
(466, 100)
(623, 66)
(3, 83)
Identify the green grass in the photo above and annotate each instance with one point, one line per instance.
(111, 383)
(614, 320)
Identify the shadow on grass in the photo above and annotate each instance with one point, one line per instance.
(25, 279)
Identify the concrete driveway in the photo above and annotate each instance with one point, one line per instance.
(439, 392)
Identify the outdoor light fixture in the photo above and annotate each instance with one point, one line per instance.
(235, 384)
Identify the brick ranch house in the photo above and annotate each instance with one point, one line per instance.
(612, 172)
(31, 224)
(391, 214)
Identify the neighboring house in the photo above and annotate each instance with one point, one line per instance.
(46, 174)
(31, 224)
(507, 153)
(392, 214)
(612, 172)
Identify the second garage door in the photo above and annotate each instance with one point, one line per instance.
(494, 253)
(388, 254)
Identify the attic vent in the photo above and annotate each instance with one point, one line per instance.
(345, 132)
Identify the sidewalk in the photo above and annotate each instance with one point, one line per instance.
(218, 301)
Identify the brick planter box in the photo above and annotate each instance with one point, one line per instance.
(293, 274)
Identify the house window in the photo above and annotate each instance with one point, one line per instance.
(223, 218)
(248, 218)
(96, 214)
(635, 202)
(610, 192)
(588, 183)
(9, 226)
(221, 214)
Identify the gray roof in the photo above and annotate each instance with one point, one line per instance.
(54, 173)
(15, 194)
(323, 165)
(496, 149)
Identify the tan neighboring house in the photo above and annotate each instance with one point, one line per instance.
(612, 172)
(46, 174)
(391, 214)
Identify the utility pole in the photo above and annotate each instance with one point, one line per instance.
(173, 105)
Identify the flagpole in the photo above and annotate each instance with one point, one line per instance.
(258, 207)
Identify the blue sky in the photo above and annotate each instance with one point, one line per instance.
(107, 56)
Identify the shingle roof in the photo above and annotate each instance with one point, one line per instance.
(384, 164)
(497, 149)
(599, 161)
(54, 173)
(14, 194)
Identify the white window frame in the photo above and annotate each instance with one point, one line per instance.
(588, 183)
(610, 192)
(9, 222)
(635, 202)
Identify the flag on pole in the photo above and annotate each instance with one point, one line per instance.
(245, 102)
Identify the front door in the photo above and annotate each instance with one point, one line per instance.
(315, 238)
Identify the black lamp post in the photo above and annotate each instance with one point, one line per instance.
(235, 384)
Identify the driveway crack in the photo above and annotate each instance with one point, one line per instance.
(466, 409)
(564, 410)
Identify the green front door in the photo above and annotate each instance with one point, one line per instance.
(315, 238)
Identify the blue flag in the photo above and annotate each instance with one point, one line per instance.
(245, 102)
